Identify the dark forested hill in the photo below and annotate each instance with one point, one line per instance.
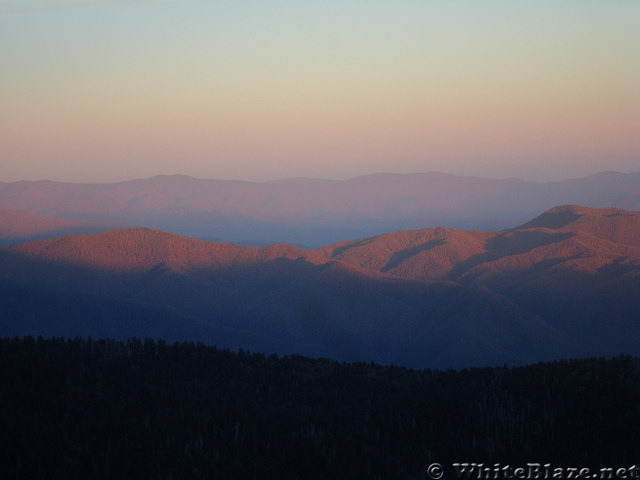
(82, 409)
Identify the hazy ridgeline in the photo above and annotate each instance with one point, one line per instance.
(312, 212)
(106, 409)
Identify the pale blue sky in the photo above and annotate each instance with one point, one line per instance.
(101, 91)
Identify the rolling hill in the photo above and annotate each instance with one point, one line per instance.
(577, 267)
(564, 284)
(586, 239)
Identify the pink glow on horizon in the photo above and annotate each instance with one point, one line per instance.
(479, 97)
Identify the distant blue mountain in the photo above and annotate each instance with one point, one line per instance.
(308, 212)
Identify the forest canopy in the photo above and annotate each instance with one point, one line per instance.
(83, 408)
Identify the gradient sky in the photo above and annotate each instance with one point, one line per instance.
(101, 91)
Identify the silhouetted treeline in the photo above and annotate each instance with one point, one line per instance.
(106, 409)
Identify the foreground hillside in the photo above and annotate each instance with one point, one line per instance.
(104, 409)
(564, 284)
(316, 212)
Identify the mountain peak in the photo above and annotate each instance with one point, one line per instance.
(562, 215)
(612, 224)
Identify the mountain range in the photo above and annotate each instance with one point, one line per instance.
(313, 212)
(564, 284)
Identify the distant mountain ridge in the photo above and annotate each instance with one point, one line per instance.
(312, 212)
(563, 284)
(17, 226)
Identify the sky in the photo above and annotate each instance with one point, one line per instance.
(102, 91)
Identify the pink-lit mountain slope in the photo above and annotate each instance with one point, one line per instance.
(279, 298)
(570, 236)
(564, 284)
(576, 267)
